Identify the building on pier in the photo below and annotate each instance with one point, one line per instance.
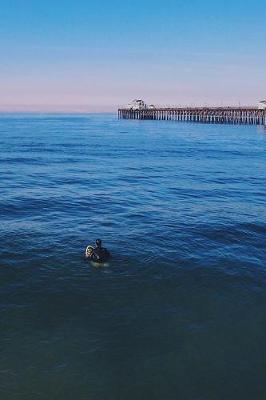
(262, 105)
(137, 104)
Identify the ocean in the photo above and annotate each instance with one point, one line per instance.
(180, 310)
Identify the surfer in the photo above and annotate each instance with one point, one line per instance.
(98, 253)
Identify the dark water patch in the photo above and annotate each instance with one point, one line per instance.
(22, 160)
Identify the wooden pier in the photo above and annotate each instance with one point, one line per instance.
(210, 115)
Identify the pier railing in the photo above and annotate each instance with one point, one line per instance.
(216, 115)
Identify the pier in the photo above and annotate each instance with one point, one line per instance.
(209, 115)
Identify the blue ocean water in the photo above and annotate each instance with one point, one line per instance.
(180, 311)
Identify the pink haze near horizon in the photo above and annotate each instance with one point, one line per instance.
(88, 57)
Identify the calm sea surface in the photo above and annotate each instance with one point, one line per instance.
(180, 312)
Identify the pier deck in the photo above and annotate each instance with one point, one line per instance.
(215, 115)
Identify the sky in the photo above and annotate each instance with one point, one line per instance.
(88, 56)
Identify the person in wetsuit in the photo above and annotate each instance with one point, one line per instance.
(100, 254)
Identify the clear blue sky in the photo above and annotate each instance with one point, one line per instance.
(93, 56)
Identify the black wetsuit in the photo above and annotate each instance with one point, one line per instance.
(100, 254)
